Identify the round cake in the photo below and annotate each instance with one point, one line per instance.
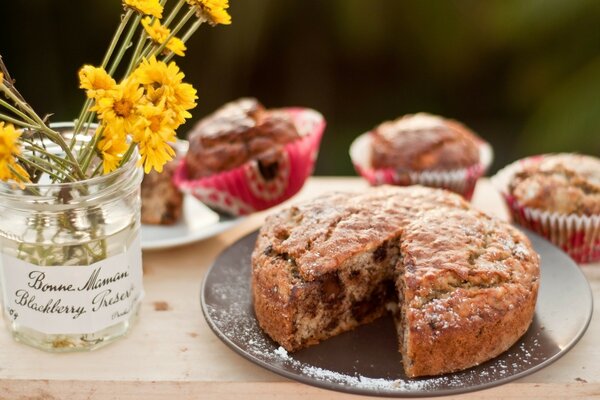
(462, 286)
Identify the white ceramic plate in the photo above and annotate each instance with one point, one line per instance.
(198, 222)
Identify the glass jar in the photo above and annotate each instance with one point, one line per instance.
(70, 258)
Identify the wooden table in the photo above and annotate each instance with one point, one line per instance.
(172, 354)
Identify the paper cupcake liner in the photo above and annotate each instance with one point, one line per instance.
(244, 190)
(461, 181)
(577, 235)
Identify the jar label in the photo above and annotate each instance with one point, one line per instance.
(73, 299)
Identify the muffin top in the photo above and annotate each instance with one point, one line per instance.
(419, 142)
(561, 183)
(234, 134)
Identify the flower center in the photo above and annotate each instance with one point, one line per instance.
(155, 124)
(123, 108)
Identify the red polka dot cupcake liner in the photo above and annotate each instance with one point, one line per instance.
(461, 181)
(247, 189)
(576, 235)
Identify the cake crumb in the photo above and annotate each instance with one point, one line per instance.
(161, 306)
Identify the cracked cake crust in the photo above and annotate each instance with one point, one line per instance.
(465, 284)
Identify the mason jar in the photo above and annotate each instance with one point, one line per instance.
(71, 261)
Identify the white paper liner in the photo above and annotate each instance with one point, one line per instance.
(461, 181)
(577, 235)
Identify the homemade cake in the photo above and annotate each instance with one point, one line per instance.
(462, 285)
(422, 141)
(561, 183)
(236, 133)
(162, 202)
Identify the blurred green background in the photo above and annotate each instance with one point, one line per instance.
(524, 74)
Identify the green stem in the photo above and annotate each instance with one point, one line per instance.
(116, 37)
(111, 48)
(124, 45)
(59, 160)
(192, 29)
(37, 162)
(25, 107)
(173, 13)
(127, 154)
(97, 170)
(86, 147)
(157, 50)
(58, 139)
(14, 121)
(79, 122)
(136, 53)
(90, 150)
(45, 166)
(54, 136)
(144, 52)
(21, 177)
(15, 110)
(138, 56)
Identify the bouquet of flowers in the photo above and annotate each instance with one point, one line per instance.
(70, 256)
(142, 109)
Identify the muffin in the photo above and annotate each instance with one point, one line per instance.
(245, 158)
(422, 149)
(236, 133)
(557, 195)
(462, 285)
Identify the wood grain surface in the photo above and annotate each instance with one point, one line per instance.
(172, 354)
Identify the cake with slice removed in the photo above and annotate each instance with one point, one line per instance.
(463, 285)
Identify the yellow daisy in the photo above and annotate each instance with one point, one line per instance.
(165, 83)
(112, 145)
(146, 7)
(9, 149)
(96, 81)
(214, 11)
(159, 34)
(118, 107)
(153, 137)
(1, 79)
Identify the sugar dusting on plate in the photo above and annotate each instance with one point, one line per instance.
(231, 313)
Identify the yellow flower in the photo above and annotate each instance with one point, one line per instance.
(112, 146)
(214, 11)
(146, 7)
(9, 149)
(1, 79)
(164, 83)
(117, 108)
(153, 137)
(96, 81)
(159, 34)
